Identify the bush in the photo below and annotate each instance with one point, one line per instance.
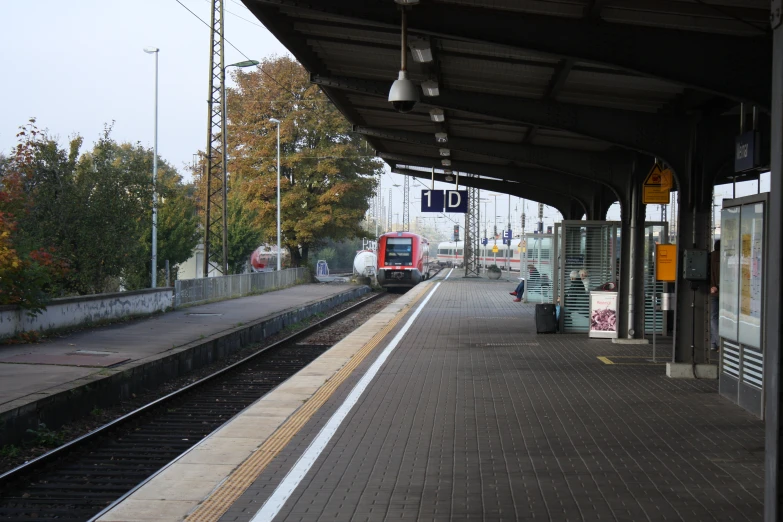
(493, 268)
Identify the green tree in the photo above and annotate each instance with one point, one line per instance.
(95, 209)
(244, 235)
(30, 269)
(327, 176)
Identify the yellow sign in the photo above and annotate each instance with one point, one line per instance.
(657, 185)
(494, 249)
(666, 263)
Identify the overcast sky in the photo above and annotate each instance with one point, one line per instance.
(77, 66)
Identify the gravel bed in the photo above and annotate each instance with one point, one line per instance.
(12, 456)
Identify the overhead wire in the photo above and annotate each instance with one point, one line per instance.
(237, 49)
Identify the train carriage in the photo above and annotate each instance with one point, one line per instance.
(403, 259)
(451, 253)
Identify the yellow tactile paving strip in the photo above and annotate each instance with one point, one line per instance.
(213, 507)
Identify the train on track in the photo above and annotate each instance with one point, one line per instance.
(403, 260)
(451, 253)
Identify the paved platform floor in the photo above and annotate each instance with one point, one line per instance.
(475, 416)
(28, 371)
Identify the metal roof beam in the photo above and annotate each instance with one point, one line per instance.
(657, 135)
(532, 176)
(608, 168)
(732, 66)
(563, 203)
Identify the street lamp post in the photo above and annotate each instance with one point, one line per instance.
(155, 50)
(275, 120)
(223, 133)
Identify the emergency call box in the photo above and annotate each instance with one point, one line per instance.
(695, 265)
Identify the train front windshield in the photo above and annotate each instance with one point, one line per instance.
(399, 251)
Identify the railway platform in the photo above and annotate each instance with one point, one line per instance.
(54, 381)
(448, 406)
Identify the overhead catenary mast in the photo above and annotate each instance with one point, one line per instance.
(215, 257)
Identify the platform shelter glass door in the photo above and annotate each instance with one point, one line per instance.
(654, 233)
(537, 258)
(741, 312)
(588, 252)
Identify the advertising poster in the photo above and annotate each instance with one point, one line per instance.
(603, 315)
(751, 259)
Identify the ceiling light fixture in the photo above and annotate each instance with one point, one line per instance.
(441, 137)
(445, 152)
(445, 162)
(403, 94)
(420, 50)
(430, 88)
(437, 115)
(449, 177)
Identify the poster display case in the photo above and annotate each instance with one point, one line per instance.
(741, 310)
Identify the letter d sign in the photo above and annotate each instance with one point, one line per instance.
(457, 201)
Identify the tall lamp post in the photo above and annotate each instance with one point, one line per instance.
(223, 134)
(155, 50)
(275, 120)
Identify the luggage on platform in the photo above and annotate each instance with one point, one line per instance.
(546, 320)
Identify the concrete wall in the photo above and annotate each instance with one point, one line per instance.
(75, 311)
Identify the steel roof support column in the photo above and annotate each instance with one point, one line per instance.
(773, 289)
(624, 284)
(636, 298)
(631, 283)
(691, 318)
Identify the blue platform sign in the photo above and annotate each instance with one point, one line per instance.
(457, 201)
(432, 201)
(484, 241)
(507, 234)
(746, 151)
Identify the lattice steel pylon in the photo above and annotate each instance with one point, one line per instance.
(406, 213)
(472, 233)
(389, 222)
(215, 257)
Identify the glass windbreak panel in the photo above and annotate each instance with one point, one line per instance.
(729, 272)
(537, 267)
(750, 271)
(588, 259)
(399, 251)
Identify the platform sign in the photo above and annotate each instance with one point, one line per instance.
(666, 263)
(746, 151)
(457, 201)
(657, 185)
(432, 201)
(484, 241)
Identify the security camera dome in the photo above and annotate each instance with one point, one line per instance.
(403, 93)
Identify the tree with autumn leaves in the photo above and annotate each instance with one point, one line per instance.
(328, 176)
(80, 223)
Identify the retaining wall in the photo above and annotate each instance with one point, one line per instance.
(76, 311)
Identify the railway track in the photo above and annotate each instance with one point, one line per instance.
(76, 481)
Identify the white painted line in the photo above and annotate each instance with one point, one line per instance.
(280, 495)
(447, 276)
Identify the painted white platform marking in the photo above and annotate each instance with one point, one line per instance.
(275, 502)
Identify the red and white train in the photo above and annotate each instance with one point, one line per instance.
(403, 259)
(451, 253)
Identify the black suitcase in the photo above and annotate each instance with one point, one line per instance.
(546, 320)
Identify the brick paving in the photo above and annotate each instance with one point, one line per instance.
(476, 417)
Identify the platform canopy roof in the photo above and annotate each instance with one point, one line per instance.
(545, 99)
